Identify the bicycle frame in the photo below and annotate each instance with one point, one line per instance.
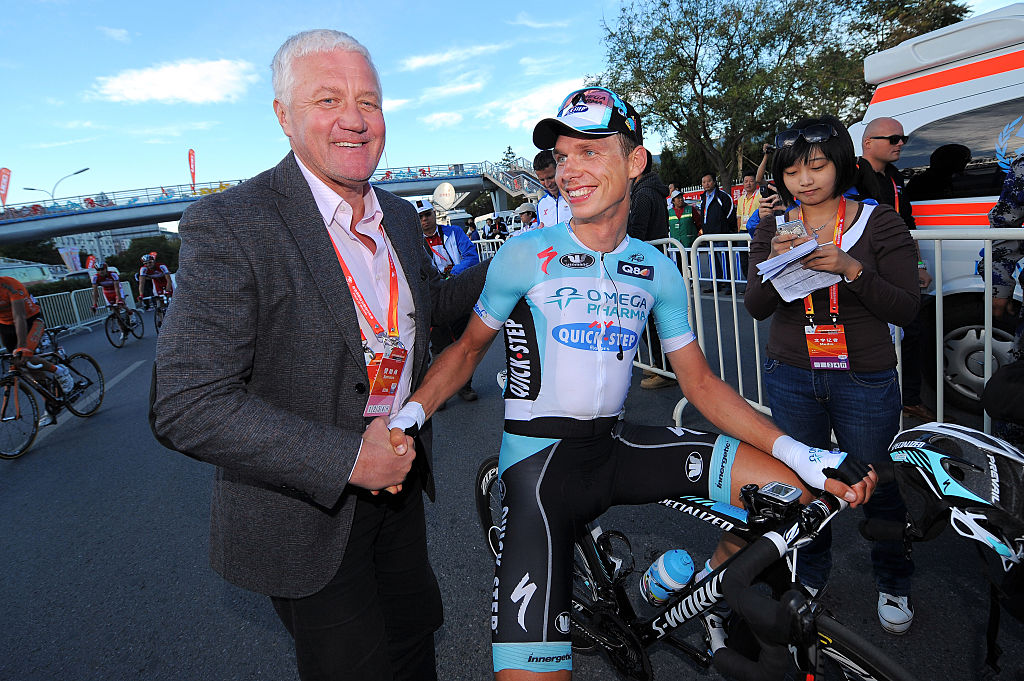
(698, 597)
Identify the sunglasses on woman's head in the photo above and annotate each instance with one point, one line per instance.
(893, 139)
(814, 134)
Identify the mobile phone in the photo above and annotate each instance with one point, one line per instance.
(767, 190)
(792, 227)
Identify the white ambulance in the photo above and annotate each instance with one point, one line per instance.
(959, 94)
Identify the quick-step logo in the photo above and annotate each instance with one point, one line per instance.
(522, 360)
(594, 337)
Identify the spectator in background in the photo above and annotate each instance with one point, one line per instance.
(452, 252)
(677, 222)
(748, 201)
(882, 143)
(648, 215)
(717, 217)
(811, 393)
(500, 230)
(527, 213)
(552, 207)
(471, 230)
(489, 231)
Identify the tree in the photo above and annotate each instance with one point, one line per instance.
(509, 159)
(34, 251)
(722, 76)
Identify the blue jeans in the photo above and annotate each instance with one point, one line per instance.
(863, 408)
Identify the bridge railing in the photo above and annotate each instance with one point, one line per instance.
(106, 200)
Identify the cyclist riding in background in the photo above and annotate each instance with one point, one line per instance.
(157, 273)
(574, 299)
(21, 329)
(109, 282)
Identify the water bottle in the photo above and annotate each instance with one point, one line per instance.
(667, 576)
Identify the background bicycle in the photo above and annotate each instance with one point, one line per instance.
(121, 322)
(159, 305)
(19, 410)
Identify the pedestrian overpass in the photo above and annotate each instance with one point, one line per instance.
(108, 211)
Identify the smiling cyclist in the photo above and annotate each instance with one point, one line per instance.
(573, 300)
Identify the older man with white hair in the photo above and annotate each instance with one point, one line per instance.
(312, 504)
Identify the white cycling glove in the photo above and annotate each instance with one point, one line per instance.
(814, 465)
(410, 415)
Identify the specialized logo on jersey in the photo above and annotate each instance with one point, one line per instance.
(547, 255)
(522, 358)
(639, 271)
(694, 466)
(577, 261)
(592, 336)
(562, 622)
(523, 592)
(636, 257)
(564, 296)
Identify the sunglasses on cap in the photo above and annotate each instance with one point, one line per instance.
(814, 134)
(893, 139)
(598, 103)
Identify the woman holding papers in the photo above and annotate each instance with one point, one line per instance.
(831, 364)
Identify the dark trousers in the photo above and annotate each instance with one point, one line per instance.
(443, 336)
(375, 620)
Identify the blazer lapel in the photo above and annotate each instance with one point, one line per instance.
(306, 226)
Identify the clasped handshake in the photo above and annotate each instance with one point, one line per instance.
(385, 458)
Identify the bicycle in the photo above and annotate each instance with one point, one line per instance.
(602, 617)
(120, 322)
(159, 303)
(19, 413)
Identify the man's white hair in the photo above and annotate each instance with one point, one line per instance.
(312, 42)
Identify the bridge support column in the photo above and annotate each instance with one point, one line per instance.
(499, 199)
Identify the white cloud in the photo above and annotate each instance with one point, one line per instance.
(173, 130)
(118, 34)
(189, 80)
(523, 19)
(538, 66)
(66, 143)
(451, 56)
(442, 119)
(530, 106)
(390, 105)
(464, 84)
(82, 125)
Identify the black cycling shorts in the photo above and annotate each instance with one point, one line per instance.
(9, 333)
(550, 488)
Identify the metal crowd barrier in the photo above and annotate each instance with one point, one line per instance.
(486, 248)
(699, 259)
(74, 308)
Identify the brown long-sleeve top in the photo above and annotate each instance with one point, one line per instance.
(885, 293)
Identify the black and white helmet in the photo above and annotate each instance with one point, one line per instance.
(977, 478)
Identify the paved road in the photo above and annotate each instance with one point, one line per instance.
(104, 556)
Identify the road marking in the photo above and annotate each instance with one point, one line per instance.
(106, 389)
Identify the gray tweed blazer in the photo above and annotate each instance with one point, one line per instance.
(260, 372)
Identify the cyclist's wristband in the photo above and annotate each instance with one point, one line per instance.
(807, 462)
(410, 415)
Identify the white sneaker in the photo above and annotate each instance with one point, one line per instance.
(895, 613)
(714, 628)
(67, 382)
(47, 419)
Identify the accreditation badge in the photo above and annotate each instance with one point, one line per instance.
(384, 379)
(826, 346)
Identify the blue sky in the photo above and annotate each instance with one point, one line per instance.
(127, 88)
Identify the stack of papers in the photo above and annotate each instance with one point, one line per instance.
(788, 276)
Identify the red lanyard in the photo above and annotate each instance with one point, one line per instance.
(895, 195)
(833, 290)
(360, 301)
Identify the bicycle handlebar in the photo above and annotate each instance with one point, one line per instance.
(774, 623)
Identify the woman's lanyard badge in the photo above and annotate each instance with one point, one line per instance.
(383, 369)
(826, 343)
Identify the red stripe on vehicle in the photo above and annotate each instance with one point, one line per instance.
(952, 208)
(956, 220)
(953, 76)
